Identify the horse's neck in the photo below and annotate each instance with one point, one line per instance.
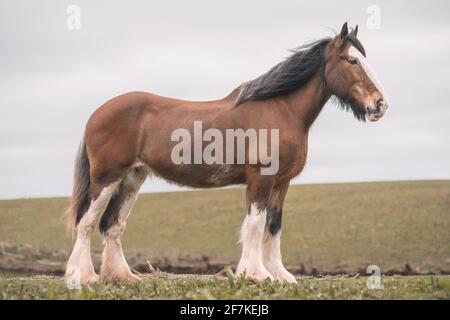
(308, 101)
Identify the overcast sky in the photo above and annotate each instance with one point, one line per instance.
(53, 78)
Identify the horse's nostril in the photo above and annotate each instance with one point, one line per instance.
(379, 104)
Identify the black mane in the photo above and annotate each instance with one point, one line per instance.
(286, 76)
(293, 73)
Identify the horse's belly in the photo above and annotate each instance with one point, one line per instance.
(203, 176)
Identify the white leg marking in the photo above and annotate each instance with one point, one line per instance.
(252, 232)
(272, 257)
(114, 265)
(80, 269)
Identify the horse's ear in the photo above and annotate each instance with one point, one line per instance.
(355, 31)
(344, 31)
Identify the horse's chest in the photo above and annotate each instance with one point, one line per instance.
(295, 159)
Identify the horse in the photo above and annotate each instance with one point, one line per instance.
(130, 138)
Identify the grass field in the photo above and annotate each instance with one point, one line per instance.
(214, 287)
(327, 229)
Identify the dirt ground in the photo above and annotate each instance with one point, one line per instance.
(27, 260)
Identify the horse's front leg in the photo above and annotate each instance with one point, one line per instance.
(252, 231)
(271, 246)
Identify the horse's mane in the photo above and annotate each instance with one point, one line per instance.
(292, 73)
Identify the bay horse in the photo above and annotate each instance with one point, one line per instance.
(129, 138)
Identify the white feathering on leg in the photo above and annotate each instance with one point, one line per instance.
(252, 232)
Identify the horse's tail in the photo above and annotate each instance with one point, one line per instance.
(80, 195)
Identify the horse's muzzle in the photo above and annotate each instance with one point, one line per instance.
(375, 113)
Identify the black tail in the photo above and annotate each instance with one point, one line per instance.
(80, 196)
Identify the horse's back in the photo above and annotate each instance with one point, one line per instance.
(120, 129)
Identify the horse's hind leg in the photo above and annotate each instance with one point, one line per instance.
(114, 266)
(80, 269)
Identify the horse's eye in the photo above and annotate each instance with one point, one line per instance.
(352, 60)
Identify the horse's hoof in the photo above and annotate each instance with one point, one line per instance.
(134, 278)
(128, 277)
(92, 279)
(74, 281)
(258, 274)
(282, 275)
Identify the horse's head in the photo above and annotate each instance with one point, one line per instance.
(351, 79)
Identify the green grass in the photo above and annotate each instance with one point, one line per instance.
(189, 287)
(328, 227)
